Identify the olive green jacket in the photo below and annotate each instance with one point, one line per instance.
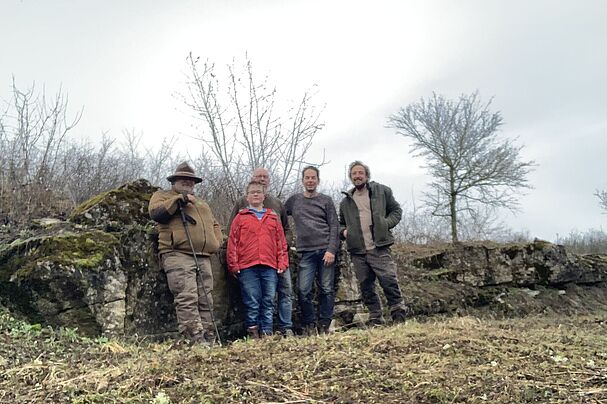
(204, 229)
(385, 214)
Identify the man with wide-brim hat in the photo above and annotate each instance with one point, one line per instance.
(184, 171)
(191, 289)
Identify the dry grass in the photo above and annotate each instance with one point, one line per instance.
(535, 359)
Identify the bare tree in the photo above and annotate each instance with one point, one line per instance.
(242, 127)
(470, 164)
(33, 131)
(602, 195)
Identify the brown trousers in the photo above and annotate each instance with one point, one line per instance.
(193, 309)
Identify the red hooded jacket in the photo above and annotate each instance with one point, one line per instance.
(257, 242)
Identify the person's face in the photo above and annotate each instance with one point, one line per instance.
(358, 175)
(261, 175)
(184, 185)
(310, 180)
(255, 195)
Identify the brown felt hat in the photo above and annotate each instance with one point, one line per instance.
(184, 170)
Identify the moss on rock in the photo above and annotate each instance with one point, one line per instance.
(86, 250)
(113, 209)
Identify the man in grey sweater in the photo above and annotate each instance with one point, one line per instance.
(317, 241)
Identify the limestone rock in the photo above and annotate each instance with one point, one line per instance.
(112, 210)
(65, 280)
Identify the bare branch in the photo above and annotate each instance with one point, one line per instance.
(472, 167)
(602, 195)
(243, 128)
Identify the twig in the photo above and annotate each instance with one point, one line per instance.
(592, 391)
(299, 395)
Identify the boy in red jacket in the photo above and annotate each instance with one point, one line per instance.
(257, 252)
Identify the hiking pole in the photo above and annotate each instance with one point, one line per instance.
(181, 205)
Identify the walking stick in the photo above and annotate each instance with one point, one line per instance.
(187, 234)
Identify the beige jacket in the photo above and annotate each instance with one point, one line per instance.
(204, 229)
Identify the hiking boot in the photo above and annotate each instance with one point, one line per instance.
(288, 333)
(376, 322)
(253, 332)
(399, 316)
(324, 329)
(199, 338)
(210, 338)
(309, 330)
(266, 334)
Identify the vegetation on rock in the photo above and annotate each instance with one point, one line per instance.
(124, 205)
(86, 250)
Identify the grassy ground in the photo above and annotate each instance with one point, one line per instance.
(535, 359)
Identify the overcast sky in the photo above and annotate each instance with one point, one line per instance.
(544, 62)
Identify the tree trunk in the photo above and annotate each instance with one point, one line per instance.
(452, 206)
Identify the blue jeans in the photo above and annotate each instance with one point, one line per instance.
(312, 267)
(258, 287)
(285, 297)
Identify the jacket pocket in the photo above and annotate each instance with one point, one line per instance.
(165, 238)
(179, 240)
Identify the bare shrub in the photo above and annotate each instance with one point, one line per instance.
(33, 132)
(45, 172)
(243, 127)
(593, 241)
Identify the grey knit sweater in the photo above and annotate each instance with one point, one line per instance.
(316, 223)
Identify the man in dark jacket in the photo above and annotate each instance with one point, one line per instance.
(285, 287)
(191, 289)
(366, 214)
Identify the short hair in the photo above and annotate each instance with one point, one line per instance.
(303, 172)
(359, 163)
(259, 169)
(253, 183)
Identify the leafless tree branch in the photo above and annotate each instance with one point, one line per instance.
(242, 127)
(471, 166)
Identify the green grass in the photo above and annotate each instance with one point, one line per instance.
(534, 359)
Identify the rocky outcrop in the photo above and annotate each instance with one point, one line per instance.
(98, 272)
(538, 263)
(80, 273)
(70, 278)
(501, 279)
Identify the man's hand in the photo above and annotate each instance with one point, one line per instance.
(328, 259)
(187, 198)
(345, 233)
(281, 270)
